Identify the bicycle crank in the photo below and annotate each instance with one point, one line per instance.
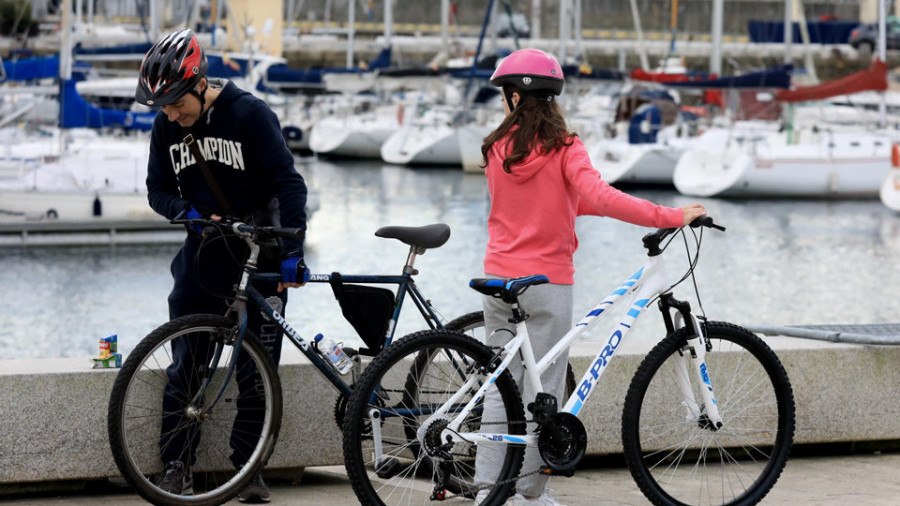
(562, 442)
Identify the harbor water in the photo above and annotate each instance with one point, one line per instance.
(781, 262)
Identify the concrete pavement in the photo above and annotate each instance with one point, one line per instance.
(869, 479)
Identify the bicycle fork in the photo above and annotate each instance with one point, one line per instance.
(693, 354)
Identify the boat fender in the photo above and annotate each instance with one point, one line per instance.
(98, 206)
(895, 155)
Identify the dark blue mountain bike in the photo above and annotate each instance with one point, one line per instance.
(218, 382)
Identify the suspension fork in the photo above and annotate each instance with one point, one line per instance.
(705, 412)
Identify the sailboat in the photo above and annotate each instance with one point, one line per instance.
(813, 159)
(78, 175)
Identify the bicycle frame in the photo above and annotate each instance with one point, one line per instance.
(650, 281)
(246, 292)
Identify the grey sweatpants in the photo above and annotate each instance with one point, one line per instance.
(550, 309)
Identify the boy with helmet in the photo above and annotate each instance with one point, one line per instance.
(239, 165)
(539, 179)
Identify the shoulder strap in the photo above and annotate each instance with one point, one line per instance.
(210, 180)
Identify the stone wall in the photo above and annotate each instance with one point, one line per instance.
(53, 412)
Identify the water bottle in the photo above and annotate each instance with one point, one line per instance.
(334, 353)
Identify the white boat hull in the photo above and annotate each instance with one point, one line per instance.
(470, 137)
(350, 136)
(75, 207)
(840, 164)
(620, 162)
(422, 145)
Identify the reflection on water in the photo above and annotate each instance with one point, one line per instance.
(780, 262)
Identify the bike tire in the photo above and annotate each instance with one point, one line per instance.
(136, 411)
(675, 460)
(470, 324)
(385, 385)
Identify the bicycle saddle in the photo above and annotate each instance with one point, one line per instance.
(507, 289)
(428, 236)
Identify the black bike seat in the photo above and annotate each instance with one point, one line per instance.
(506, 289)
(428, 236)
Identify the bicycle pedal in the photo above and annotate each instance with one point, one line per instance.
(389, 468)
(549, 471)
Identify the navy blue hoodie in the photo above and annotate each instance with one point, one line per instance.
(241, 140)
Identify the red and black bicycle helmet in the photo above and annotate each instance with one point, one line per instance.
(530, 70)
(171, 68)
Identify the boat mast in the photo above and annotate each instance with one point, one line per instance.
(484, 25)
(351, 31)
(565, 28)
(882, 54)
(536, 19)
(788, 30)
(715, 56)
(642, 51)
(789, 60)
(445, 24)
(388, 22)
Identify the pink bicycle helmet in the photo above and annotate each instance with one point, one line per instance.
(530, 70)
(171, 68)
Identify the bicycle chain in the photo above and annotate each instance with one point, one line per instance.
(474, 491)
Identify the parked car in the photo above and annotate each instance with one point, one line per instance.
(865, 36)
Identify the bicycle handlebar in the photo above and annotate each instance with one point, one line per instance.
(239, 227)
(653, 239)
(706, 221)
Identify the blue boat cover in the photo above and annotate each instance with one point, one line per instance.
(76, 112)
(26, 69)
(820, 32)
(778, 77)
(637, 135)
(139, 49)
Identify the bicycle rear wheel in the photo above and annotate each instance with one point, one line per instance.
(404, 390)
(470, 324)
(234, 435)
(678, 459)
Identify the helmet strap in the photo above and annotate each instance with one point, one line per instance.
(201, 96)
(508, 96)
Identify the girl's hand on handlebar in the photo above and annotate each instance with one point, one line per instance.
(692, 212)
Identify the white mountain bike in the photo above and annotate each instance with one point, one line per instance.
(708, 418)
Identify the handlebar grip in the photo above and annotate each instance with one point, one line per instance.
(706, 221)
(290, 233)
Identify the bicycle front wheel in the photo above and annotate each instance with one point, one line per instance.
(175, 399)
(674, 456)
(395, 399)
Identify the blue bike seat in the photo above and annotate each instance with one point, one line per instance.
(507, 289)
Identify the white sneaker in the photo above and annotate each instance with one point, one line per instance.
(482, 495)
(544, 499)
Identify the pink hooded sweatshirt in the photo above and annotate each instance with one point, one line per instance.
(531, 226)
